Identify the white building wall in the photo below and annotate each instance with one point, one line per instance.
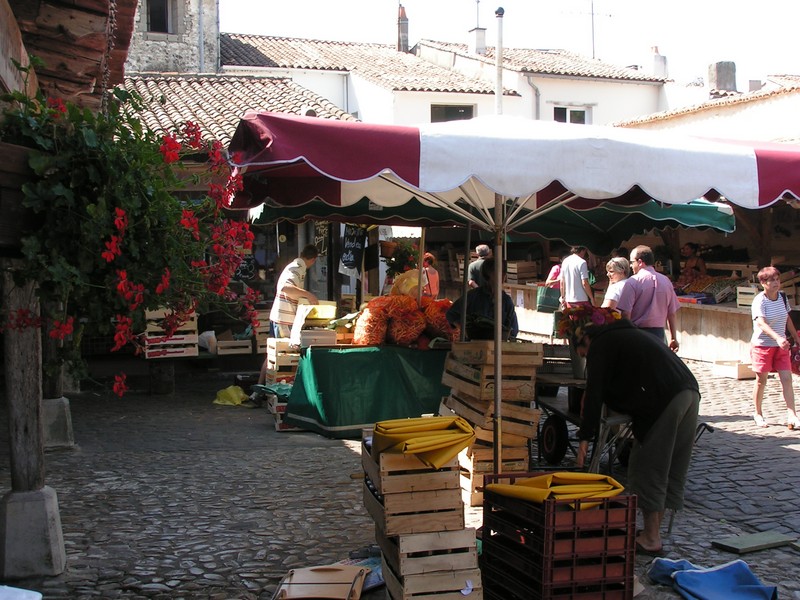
(767, 119)
(605, 101)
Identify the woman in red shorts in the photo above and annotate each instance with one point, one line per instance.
(769, 350)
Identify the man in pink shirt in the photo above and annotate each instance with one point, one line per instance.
(649, 299)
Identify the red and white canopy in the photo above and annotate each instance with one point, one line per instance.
(463, 165)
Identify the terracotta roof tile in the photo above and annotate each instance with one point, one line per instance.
(549, 62)
(724, 101)
(378, 63)
(217, 102)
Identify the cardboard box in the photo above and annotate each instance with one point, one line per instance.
(732, 369)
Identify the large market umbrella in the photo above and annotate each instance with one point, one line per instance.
(499, 172)
(599, 228)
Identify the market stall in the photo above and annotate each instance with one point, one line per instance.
(338, 391)
(499, 172)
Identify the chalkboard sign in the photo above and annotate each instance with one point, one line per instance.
(321, 237)
(355, 238)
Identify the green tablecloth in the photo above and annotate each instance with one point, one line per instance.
(339, 391)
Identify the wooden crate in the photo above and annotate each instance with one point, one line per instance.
(417, 553)
(732, 369)
(745, 295)
(234, 347)
(273, 376)
(478, 461)
(438, 585)
(261, 342)
(183, 343)
(478, 381)
(404, 496)
(520, 272)
(486, 435)
(395, 472)
(482, 352)
(281, 425)
(515, 418)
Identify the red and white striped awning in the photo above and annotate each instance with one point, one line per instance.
(463, 165)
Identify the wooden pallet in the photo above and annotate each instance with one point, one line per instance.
(482, 352)
(515, 418)
(478, 381)
(439, 585)
(429, 552)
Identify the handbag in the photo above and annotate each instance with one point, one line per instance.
(547, 299)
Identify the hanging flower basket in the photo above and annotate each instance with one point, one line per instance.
(388, 248)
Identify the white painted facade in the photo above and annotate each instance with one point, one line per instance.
(769, 118)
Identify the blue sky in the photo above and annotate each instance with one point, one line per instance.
(757, 36)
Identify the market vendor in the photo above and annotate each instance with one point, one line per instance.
(634, 373)
(694, 267)
(480, 308)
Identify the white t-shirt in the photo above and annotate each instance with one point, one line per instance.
(775, 314)
(614, 290)
(574, 271)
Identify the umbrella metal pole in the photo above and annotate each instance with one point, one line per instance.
(498, 333)
(465, 285)
(420, 267)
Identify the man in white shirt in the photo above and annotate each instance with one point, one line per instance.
(575, 288)
(290, 289)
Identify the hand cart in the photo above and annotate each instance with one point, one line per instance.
(553, 435)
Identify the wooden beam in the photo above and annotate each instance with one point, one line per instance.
(12, 46)
(23, 369)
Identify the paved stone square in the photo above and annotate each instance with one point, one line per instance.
(172, 496)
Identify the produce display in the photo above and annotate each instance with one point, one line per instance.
(397, 319)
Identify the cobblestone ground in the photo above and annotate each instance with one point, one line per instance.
(175, 497)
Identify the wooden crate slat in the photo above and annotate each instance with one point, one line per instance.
(420, 522)
(514, 419)
(406, 473)
(235, 347)
(483, 352)
(426, 552)
(438, 585)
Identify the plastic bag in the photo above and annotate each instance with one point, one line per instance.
(407, 284)
(231, 396)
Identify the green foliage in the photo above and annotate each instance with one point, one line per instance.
(404, 258)
(104, 202)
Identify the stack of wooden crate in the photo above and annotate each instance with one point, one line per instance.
(277, 408)
(262, 332)
(182, 343)
(470, 374)
(282, 361)
(520, 272)
(427, 553)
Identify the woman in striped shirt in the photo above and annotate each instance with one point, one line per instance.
(769, 350)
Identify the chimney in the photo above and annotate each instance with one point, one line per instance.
(722, 76)
(755, 85)
(402, 30)
(659, 65)
(478, 41)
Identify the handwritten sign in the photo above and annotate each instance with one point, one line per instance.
(321, 237)
(353, 242)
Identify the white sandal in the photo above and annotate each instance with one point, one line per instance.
(793, 423)
(761, 421)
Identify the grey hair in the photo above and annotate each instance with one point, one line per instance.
(619, 264)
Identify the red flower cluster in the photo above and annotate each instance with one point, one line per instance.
(60, 330)
(164, 285)
(120, 385)
(170, 149)
(57, 106)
